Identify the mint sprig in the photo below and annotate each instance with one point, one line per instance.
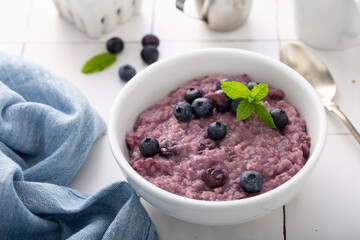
(251, 100)
(99, 62)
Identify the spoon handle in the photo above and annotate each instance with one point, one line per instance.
(332, 107)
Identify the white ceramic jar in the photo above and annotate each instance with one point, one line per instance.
(95, 17)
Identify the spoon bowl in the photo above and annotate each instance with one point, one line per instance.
(319, 76)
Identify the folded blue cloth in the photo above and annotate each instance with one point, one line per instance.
(47, 128)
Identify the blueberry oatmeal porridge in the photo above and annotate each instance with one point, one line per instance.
(191, 144)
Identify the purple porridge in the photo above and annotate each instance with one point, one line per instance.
(187, 154)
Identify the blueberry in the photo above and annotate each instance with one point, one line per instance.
(207, 143)
(216, 131)
(214, 178)
(126, 72)
(251, 181)
(168, 148)
(149, 147)
(280, 118)
(218, 84)
(251, 85)
(150, 39)
(149, 54)
(115, 45)
(192, 94)
(202, 108)
(234, 105)
(182, 111)
(220, 101)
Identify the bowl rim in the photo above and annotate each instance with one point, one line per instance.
(196, 203)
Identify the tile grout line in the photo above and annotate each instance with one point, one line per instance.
(339, 134)
(279, 47)
(284, 222)
(22, 49)
(164, 41)
(153, 17)
(27, 28)
(277, 25)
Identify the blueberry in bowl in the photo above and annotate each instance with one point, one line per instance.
(191, 94)
(251, 181)
(149, 147)
(202, 107)
(182, 111)
(216, 131)
(213, 177)
(280, 118)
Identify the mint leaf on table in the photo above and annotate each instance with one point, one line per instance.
(250, 100)
(99, 62)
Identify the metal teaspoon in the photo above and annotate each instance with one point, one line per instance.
(318, 75)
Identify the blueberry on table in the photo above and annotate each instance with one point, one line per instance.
(214, 178)
(182, 111)
(115, 45)
(251, 85)
(202, 108)
(149, 54)
(126, 72)
(280, 118)
(192, 94)
(234, 105)
(150, 39)
(220, 101)
(251, 181)
(218, 84)
(149, 147)
(216, 131)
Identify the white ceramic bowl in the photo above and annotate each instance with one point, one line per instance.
(156, 81)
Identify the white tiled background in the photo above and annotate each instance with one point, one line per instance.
(327, 207)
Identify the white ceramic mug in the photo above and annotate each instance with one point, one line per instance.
(328, 24)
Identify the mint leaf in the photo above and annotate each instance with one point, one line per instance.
(261, 111)
(251, 100)
(259, 91)
(235, 90)
(99, 62)
(244, 110)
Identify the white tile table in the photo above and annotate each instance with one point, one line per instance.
(327, 207)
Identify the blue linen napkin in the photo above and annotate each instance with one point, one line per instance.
(47, 128)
